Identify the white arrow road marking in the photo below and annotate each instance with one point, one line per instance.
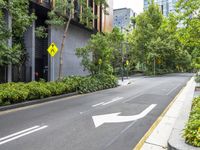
(22, 133)
(106, 103)
(114, 118)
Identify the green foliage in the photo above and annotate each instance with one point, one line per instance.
(192, 129)
(105, 47)
(21, 17)
(97, 82)
(60, 14)
(189, 15)
(21, 20)
(10, 55)
(197, 79)
(37, 90)
(40, 32)
(11, 93)
(155, 43)
(196, 58)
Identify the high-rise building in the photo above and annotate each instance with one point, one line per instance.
(166, 6)
(39, 63)
(122, 18)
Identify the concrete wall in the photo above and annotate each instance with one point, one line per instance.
(76, 37)
(29, 40)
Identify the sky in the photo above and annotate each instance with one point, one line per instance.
(135, 5)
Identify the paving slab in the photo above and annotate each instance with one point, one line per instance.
(168, 133)
(147, 146)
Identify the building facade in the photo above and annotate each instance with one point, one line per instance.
(39, 63)
(122, 18)
(166, 6)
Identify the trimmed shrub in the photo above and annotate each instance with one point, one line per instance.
(11, 93)
(73, 82)
(192, 129)
(96, 83)
(197, 79)
(37, 90)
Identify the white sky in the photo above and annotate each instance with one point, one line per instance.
(135, 5)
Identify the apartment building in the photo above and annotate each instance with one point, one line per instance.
(166, 6)
(39, 63)
(122, 18)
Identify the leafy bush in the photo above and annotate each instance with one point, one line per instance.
(96, 83)
(11, 93)
(197, 79)
(73, 82)
(192, 130)
(37, 90)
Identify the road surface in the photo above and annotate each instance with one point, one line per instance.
(114, 119)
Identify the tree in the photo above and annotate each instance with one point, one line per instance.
(189, 33)
(147, 25)
(63, 13)
(21, 20)
(102, 54)
(156, 44)
(97, 54)
(189, 16)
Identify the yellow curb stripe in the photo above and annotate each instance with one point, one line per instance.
(155, 124)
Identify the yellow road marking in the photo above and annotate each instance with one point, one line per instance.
(155, 124)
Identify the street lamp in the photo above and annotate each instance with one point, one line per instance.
(122, 58)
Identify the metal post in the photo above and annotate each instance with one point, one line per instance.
(8, 19)
(122, 66)
(154, 70)
(33, 52)
(53, 69)
(51, 62)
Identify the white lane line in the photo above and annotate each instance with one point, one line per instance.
(113, 100)
(170, 91)
(97, 104)
(17, 133)
(105, 103)
(21, 135)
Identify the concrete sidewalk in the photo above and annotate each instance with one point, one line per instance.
(157, 137)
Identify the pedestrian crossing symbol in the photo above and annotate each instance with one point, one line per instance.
(52, 49)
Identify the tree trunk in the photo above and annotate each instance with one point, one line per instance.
(63, 44)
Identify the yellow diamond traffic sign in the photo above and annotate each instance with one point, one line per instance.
(52, 49)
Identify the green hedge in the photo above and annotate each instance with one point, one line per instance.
(192, 130)
(197, 79)
(11, 93)
(96, 83)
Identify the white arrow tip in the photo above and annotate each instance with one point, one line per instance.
(101, 119)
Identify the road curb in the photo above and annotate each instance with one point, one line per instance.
(176, 141)
(37, 101)
(155, 124)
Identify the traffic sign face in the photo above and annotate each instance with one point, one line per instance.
(127, 62)
(52, 49)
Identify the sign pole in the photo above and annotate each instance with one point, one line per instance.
(52, 51)
(53, 63)
(52, 69)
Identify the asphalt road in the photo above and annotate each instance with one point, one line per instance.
(70, 123)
